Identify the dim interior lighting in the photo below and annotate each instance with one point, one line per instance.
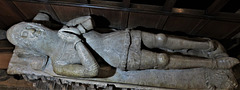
(180, 10)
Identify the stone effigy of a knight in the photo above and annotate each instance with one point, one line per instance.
(66, 49)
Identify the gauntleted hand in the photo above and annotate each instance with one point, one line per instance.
(69, 34)
(74, 28)
(83, 23)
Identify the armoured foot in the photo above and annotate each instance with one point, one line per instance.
(226, 62)
(216, 50)
(212, 46)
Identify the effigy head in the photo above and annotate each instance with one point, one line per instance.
(25, 34)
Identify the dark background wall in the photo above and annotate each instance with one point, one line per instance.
(211, 18)
(217, 19)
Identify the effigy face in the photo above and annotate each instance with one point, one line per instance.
(42, 52)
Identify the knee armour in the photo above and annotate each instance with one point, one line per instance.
(152, 60)
(154, 40)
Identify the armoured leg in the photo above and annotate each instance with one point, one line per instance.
(200, 47)
(173, 43)
(150, 60)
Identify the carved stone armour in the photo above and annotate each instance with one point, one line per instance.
(116, 48)
(113, 47)
(62, 54)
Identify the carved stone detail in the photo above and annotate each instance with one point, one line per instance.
(203, 63)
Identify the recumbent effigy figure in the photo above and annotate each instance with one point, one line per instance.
(121, 49)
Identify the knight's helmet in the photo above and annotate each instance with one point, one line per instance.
(23, 32)
(14, 32)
